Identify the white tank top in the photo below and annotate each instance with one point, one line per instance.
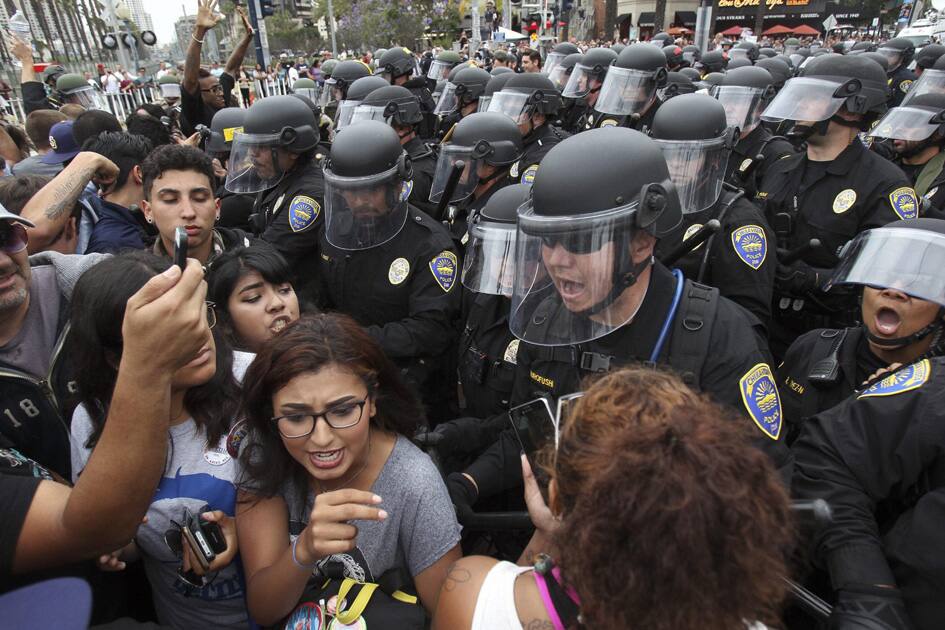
(495, 606)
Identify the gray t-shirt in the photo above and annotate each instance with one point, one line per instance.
(421, 524)
(31, 349)
(34, 165)
(199, 479)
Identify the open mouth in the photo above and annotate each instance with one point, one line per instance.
(887, 322)
(327, 459)
(279, 324)
(570, 289)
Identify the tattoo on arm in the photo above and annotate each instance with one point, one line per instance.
(66, 193)
(538, 624)
(455, 577)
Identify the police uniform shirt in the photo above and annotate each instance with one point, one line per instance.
(488, 353)
(900, 81)
(537, 146)
(856, 191)
(235, 209)
(739, 260)
(878, 459)
(744, 170)
(423, 159)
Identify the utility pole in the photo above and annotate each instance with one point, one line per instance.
(122, 55)
(331, 29)
(260, 40)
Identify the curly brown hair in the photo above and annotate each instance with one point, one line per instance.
(671, 519)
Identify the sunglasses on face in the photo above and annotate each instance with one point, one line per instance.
(13, 238)
(576, 243)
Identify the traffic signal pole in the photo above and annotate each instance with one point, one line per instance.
(261, 40)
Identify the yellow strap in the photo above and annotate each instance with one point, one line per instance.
(354, 611)
(400, 596)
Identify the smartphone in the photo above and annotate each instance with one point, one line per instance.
(534, 427)
(180, 247)
(565, 407)
(204, 538)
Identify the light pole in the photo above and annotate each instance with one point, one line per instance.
(124, 14)
(122, 56)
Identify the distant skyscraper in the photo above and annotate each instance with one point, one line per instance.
(139, 15)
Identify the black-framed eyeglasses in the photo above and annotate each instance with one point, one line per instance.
(341, 416)
(13, 237)
(216, 89)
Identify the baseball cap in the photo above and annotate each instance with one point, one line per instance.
(64, 146)
(6, 215)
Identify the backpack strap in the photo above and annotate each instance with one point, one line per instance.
(692, 331)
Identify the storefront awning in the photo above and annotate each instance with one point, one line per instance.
(624, 17)
(685, 18)
(647, 18)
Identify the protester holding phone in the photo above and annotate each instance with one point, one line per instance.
(331, 475)
(196, 490)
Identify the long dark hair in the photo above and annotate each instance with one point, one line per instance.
(308, 345)
(98, 308)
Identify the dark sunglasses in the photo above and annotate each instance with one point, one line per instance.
(575, 243)
(13, 238)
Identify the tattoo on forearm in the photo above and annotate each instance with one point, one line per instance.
(67, 192)
(538, 624)
(456, 576)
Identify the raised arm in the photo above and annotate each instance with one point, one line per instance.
(236, 58)
(206, 20)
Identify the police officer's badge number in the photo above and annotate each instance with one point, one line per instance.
(904, 203)
(399, 269)
(904, 380)
(443, 267)
(406, 190)
(751, 245)
(302, 213)
(528, 176)
(761, 398)
(844, 201)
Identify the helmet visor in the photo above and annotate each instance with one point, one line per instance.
(367, 112)
(439, 70)
(512, 104)
(626, 91)
(579, 83)
(690, 56)
(735, 53)
(468, 180)
(312, 94)
(89, 98)
(170, 90)
(904, 259)
(743, 105)
(345, 113)
(448, 102)
(484, 102)
(559, 75)
(364, 212)
(696, 168)
(552, 61)
(931, 82)
(254, 163)
(804, 99)
(566, 270)
(907, 123)
(490, 259)
(892, 55)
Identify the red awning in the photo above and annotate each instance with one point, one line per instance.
(733, 30)
(777, 30)
(679, 30)
(803, 29)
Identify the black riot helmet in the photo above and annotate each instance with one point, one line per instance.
(661, 39)
(712, 61)
(631, 85)
(694, 134)
(500, 70)
(778, 68)
(224, 125)
(561, 73)
(393, 104)
(271, 124)
(767, 52)
(673, 54)
(932, 80)
(744, 93)
(692, 54)
(478, 140)
(344, 74)
(919, 124)
(710, 80)
(879, 58)
(691, 73)
(396, 62)
(451, 77)
(593, 66)
(557, 55)
(926, 58)
(366, 186)
(489, 263)
(587, 215)
(899, 51)
(357, 91)
(495, 84)
(861, 47)
(828, 83)
(739, 62)
(676, 83)
(464, 88)
(747, 50)
(525, 94)
(617, 47)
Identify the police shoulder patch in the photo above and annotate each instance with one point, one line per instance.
(751, 245)
(844, 201)
(528, 177)
(443, 267)
(398, 271)
(904, 203)
(903, 380)
(303, 211)
(406, 190)
(905, 85)
(762, 401)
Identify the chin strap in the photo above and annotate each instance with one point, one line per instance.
(901, 342)
(623, 278)
(499, 173)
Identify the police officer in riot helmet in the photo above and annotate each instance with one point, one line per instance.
(926, 58)
(691, 73)
(744, 93)
(831, 191)
(628, 97)
(584, 86)
(399, 66)
(588, 297)
(272, 157)
(677, 84)
(336, 86)
(661, 40)
(766, 52)
(779, 69)
(495, 84)
(740, 62)
(488, 144)
(916, 133)
(791, 45)
(235, 209)
(899, 51)
(442, 65)
(696, 138)
(460, 97)
(744, 50)
(308, 88)
(712, 61)
(400, 108)
(691, 54)
(557, 55)
(532, 101)
(877, 457)
(355, 93)
(674, 57)
(385, 263)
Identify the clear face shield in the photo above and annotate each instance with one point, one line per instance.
(484, 102)
(254, 163)
(489, 264)
(931, 82)
(690, 57)
(743, 105)
(345, 113)
(515, 105)
(368, 112)
(330, 92)
(696, 168)
(439, 70)
(468, 180)
(567, 274)
(559, 75)
(552, 61)
(579, 83)
(806, 99)
(170, 90)
(626, 91)
(790, 49)
(364, 212)
(892, 55)
(448, 101)
(90, 98)
(904, 259)
(908, 123)
(313, 94)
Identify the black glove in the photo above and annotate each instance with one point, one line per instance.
(462, 492)
(797, 278)
(864, 607)
(458, 436)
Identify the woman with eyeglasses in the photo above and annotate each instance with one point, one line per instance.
(660, 515)
(331, 477)
(252, 290)
(199, 475)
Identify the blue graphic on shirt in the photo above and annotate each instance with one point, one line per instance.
(218, 493)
